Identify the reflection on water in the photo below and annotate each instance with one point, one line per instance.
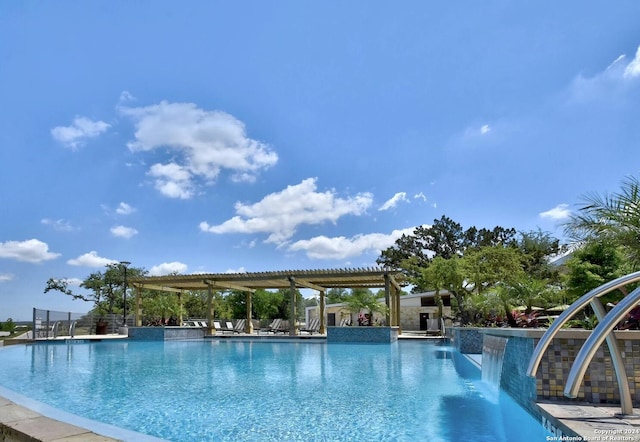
(229, 391)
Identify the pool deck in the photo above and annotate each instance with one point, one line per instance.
(20, 424)
(592, 422)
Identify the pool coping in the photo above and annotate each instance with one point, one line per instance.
(26, 420)
(592, 422)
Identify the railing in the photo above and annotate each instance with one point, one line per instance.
(602, 332)
(51, 324)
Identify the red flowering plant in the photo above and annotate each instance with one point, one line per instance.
(525, 320)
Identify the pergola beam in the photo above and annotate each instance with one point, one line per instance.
(227, 285)
(306, 284)
(162, 288)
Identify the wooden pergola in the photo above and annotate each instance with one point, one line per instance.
(320, 280)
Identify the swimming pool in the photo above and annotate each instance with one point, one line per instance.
(211, 390)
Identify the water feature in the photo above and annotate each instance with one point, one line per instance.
(210, 390)
(492, 357)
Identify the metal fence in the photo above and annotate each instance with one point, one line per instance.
(51, 324)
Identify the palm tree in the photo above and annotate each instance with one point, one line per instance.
(364, 299)
(615, 217)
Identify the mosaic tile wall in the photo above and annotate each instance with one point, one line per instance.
(599, 384)
(514, 378)
(467, 340)
(165, 333)
(362, 334)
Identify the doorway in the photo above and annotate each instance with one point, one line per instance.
(424, 321)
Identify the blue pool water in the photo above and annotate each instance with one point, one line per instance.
(255, 391)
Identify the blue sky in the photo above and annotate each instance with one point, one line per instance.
(211, 136)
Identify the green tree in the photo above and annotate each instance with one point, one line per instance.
(613, 217)
(474, 273)
(268, 304)
(363, 299)
(162, 305)
(445, 239)
(234, 303)
(337, 295)
(105, 288)
(447, 274)
(537, 248)
(196, 303)
(487, 266)
(8, 325)
(592, 265)
(526, 291)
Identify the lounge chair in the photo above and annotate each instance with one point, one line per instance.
(240, 326)
(229, 327)
(218, 327)
(276, 326)
(314, 326)
(345, 322)
(433, 326)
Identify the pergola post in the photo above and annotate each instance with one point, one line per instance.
(248, 327)
(387, 287)
(138, 291)
(293, 330)
(210, 313)
(323, 326)
(180, 308)
(397, 312)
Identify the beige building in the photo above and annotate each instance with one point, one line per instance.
(415, 310)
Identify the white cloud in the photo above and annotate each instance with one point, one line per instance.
(58, 224)
(482, 136)
(31, 250)
(91, 259)
(125, 209)
(633, 68)
(606, 85)
(208, 141)
(238, 270)
(394, 200)
(322, 247)
(4, 277)
(123, 231)
(80, 130)
(560, 212)
(73, 281)
(167, 268)
(172, 180)
(279, 214)
(125, 97)
(420, 196)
